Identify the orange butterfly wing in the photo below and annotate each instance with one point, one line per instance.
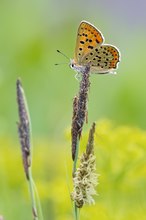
(88, 37)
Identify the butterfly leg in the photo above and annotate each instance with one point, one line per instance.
(78, 76)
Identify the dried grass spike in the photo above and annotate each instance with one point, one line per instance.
(74, 129)
(90, 144)
(23, 127)
(80, 110)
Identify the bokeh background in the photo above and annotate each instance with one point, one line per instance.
(30, 34)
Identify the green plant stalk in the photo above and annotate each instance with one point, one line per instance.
(32, 187)
(41, 217)
(75, 208)
(32, 195)
(76, 212)
(37, 213)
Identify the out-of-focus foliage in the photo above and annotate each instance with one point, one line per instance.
(120, 152)
(32, 31)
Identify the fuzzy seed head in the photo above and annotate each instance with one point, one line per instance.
(85, 180)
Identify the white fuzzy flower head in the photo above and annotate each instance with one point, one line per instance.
(85, 180)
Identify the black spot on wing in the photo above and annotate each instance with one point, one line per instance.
(90, 47)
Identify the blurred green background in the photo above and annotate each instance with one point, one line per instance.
(31, 32)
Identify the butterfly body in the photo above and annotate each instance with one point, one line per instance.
(90, 50)
(75, 66)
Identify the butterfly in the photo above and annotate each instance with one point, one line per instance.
(91, 50)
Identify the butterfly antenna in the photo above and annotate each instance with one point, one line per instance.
(63, 54)
(56, 64)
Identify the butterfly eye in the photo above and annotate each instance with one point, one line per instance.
(72, 65)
